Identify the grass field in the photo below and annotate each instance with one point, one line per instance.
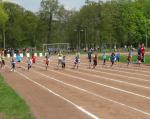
(134, 58)
(11, 105)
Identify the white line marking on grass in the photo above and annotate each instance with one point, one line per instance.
(91, 93)
(61, 97)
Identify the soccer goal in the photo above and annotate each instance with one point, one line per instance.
(56, 47)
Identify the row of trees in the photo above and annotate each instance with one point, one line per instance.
(120, 22)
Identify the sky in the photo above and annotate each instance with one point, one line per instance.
(34, 5)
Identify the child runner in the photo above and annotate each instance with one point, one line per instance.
(129, 58)
(63, 62)
(104, 59)
(29, 63)
(60, 57)
(90, 58)
(76, 62)
(95, 59)
(33, 58)
(13, 65)
(47, 61)
(112, 58)
(142, 53)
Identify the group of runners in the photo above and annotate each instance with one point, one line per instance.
(92, 58)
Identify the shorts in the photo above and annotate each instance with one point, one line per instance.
(29, 66)
(47, 63)
(104, 61)
(95, 63)
(13, 65)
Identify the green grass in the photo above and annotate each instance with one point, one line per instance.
(123, 58)
(11, 105)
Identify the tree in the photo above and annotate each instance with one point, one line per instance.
(3, 20)
(48, 11)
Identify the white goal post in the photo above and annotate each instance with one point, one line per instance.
(56, 46)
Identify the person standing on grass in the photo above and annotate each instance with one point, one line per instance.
(112, 59)
(29, 63)
(90, 58)
(95, 60)
(13, 64)
(139, 50)
(129, 58)
(142, 53)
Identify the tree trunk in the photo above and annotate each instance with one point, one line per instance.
(49, 28)
(4, 38)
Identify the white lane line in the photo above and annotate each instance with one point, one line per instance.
(121, 71)
(122, 104)
(61, 97)
(91, 93)
(111, 79)
(101, 84)
(118, 71)
(85, 64)
(111, 74)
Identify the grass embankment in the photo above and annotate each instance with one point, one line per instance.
(11, 105)
(123, 58)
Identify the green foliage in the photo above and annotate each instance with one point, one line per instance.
(3, 15)
(120, 22)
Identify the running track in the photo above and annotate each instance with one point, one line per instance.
(103, 93)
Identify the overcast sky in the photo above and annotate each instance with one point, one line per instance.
(34, 5)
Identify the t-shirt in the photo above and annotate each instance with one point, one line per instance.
(104, 57)
(118, 55)
(18, 58)
(89, 54)
(142, 50)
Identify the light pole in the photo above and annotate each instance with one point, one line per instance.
(78, 30)
(85, 30)
(77, 38)
(81, 30)
(4, 38)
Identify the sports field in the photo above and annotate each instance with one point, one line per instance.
(119, 92)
